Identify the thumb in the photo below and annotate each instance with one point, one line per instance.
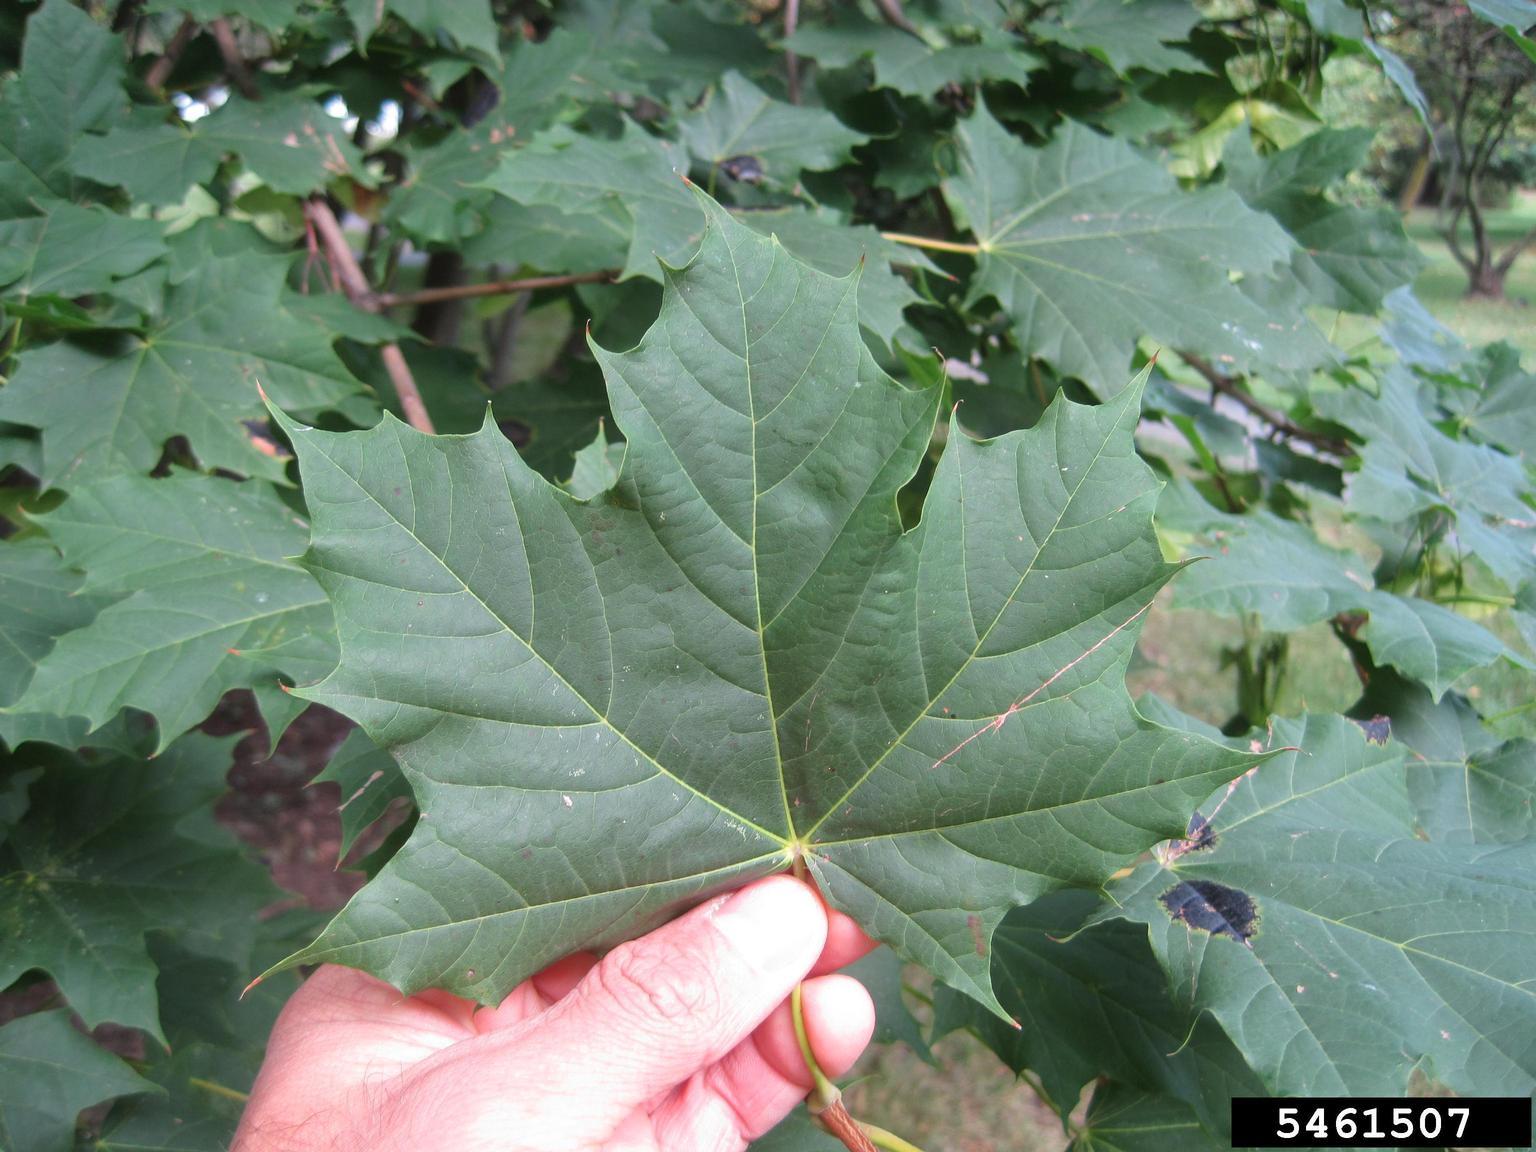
(658, 1009)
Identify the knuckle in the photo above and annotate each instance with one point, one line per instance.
(647, 983)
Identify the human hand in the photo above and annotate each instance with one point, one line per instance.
(681, 1040)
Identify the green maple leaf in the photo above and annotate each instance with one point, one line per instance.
(1332, 18)
(154, 161)
(1347, 257)
(881, 974)
(111, 850)
(1397, 70)
(695, 43)
(286, 139)
(1417, 337)
(70, 82)
(827, 242)
(1280, 571)
(1122, 1118)
(738, 119)
(273, 15)
(1500, 409)
(1101, 986)
(49, 1071)
(1089, 247)
(198, 566)
(106, 408)
(218, 1039)
(369, 780)
(596, 468)
(1468, 785)
(73, 250)
(1408, 466)
(735, 658)
(638, 173)
(914, 65)
(1125, 34)
(1519, 15)
(542, 237)
(42, 602)
(1340, 951)
(468, 23)
(631, 190)
(440, 199)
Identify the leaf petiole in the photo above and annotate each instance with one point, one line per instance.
(880, 1138)
(927, 242)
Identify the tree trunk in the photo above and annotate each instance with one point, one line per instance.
(439, 321)
(1486, 282)
(1418, 176)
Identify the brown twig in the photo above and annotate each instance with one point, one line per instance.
(234, 63)
(491, 288)
(836, 1120)
(891, 12)
(160, 71)
(355, 285)
(791, 61)
(1282, 424)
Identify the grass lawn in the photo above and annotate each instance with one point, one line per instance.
(1442, 285)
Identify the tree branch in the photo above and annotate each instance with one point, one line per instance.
(160, 71)
(491, 288)
(791, 61)
(1453, 239)
(891, 12)
(234, 63)
(1507, 261)
(1282, 424)
(355, 285)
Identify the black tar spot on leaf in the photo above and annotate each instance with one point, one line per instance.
(1213, 908)
(1378, 729)
(747, 169)
(1199, 834)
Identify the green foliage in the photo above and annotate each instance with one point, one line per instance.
(1084, 244)
(708, 579)
(694, 585)
(51, 1072)
(109, 851)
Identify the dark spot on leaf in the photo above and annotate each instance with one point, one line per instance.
(1378, 729)
(747, 169)
(1213, 908)
(1199, 835)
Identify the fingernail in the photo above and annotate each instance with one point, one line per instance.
(778, 924)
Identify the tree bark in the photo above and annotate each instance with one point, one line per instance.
(438, 318)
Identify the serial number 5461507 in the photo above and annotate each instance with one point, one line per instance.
(1382, 1122)
(1349, 1123)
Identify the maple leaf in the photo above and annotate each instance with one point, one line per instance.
(735, 659)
